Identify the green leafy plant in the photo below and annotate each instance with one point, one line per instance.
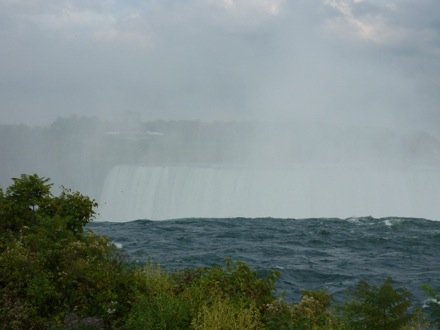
(313, 312)
(53, 273)
(158, 305)
(382, 307)
(220, 313)
(237, 280)
(433, 304)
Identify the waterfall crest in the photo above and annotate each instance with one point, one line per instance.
(169, 192)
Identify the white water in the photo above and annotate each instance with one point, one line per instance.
(166, 192)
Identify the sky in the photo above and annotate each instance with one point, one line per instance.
(369, 62)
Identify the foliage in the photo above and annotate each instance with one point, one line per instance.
(21, 202)
(312, 312)
(238, 281)
(29, 201)
(157, 305)
(380, 307)
(56, 275)
(205, 298)
(51, 270)
(433, 304)
(222, 313)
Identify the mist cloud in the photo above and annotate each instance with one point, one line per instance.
(374, 62)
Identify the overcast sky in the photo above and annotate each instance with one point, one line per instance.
(348, 61)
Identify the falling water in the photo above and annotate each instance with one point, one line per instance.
(169, 192)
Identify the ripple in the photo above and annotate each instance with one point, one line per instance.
(310, 253)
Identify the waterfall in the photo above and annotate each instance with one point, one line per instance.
(168, 192)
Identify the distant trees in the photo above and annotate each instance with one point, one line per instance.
(80, 151)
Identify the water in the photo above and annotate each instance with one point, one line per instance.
(310, 253)
(300, 191)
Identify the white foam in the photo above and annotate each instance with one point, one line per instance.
(118, 245)
(167, 192)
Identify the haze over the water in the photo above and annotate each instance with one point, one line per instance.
(342, 95)
(341, 61)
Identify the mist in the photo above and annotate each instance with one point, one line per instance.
(348, 62)
(345, 85)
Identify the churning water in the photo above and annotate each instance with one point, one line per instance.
(300, 191)
(310, 253)
(247, 214)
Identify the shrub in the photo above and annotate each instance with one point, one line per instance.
(222, 313)
(433, 304)
(237, 281)
(383, 307)
(53, 273)
(312, 312)
(157, 305)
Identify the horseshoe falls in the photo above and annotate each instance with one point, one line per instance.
(326, 207)
(156, 192)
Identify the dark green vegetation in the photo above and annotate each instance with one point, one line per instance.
(56, 275)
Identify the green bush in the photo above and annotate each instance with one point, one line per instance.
(238, 281)
(383, 307)
(433, 304)
(219, 313)
(312, 312)
(157, 304)
(161, 311)
(205, 298)
(53, 273)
